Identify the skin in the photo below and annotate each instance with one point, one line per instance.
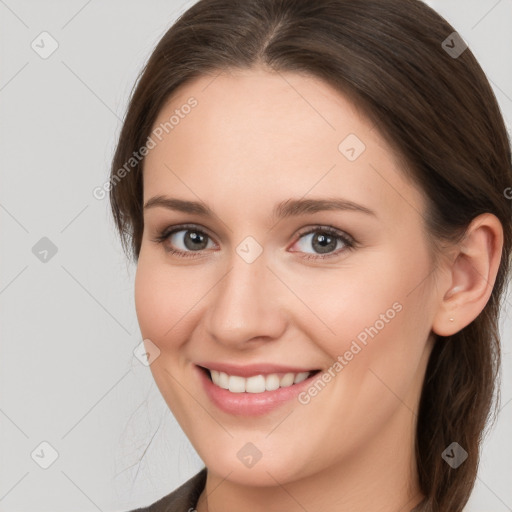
(255, 139)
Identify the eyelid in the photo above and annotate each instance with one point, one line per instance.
(164, 234)
(348, 240)
(340, 234)
(181, 227)
(327, 229)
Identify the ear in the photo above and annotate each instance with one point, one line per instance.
(470, 275)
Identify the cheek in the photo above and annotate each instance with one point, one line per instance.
(381, 324)
(162, 299)
(150, 303)
(376, 294)
(371, 317)
(170, 302)
(165, 311)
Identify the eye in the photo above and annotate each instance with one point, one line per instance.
(324, 240)
(188, 241)
(184, 241)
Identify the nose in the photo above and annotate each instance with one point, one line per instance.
(245, 307)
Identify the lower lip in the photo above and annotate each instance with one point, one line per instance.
(250, 404)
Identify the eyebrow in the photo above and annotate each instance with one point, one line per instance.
(288, 208)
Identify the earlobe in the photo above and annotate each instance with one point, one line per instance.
(471, 276)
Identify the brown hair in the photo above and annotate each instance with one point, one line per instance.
(436, 110)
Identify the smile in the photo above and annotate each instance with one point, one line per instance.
(260, 390)
(258, 383)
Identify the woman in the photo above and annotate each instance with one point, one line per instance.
(315, 196)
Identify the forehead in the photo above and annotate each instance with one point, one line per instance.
(254, 134)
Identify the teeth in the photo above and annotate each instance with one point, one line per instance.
(223, 380)
(272, 382)
(287, 380)
(236, 384)
(257, 383)
(300, 377)
(254, 384)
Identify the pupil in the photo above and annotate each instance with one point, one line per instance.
(324, 242)
(193, 239)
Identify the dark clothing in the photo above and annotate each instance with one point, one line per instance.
(184, 498)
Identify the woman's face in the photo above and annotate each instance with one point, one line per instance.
(248, 290)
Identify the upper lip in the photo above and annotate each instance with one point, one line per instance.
(250, 370)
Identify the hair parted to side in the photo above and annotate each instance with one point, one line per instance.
(437, 112)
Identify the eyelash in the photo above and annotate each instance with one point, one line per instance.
(349, 242)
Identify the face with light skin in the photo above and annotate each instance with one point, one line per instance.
(256, 140)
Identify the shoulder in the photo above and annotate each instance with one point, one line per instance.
(181, 499)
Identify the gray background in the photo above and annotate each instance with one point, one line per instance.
(68, 376)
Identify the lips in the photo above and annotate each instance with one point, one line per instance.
(254, 389)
